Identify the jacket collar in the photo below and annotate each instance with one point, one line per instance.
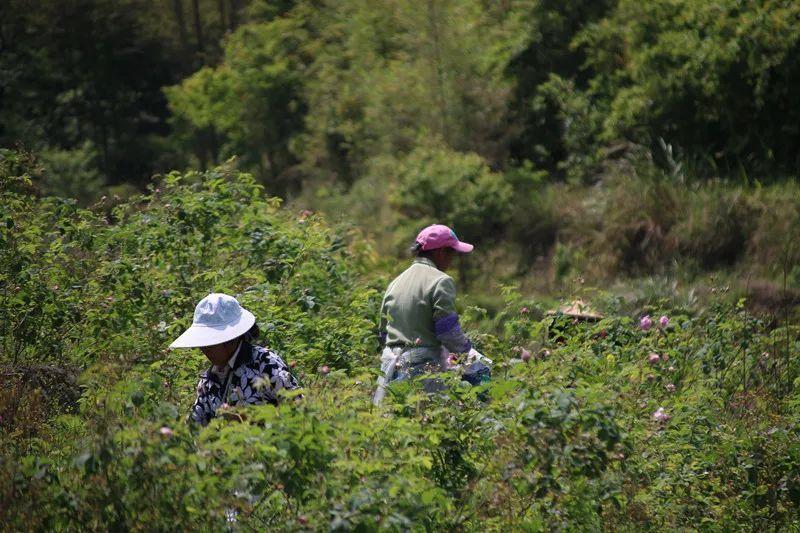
(243, 356)
(425, 261)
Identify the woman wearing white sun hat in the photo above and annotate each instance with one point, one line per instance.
(241, 373)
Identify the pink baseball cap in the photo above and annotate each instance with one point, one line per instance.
(440, 236)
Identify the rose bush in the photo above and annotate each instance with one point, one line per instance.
(588, 434)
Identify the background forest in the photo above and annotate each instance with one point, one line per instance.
(636, 134)
(641, 156)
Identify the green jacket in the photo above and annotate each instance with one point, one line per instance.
(419, 310)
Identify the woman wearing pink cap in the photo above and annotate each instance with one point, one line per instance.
(418, 314)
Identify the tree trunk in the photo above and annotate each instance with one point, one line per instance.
(198, 26)
(180, 20)
(435, 33)
(222, 18)
(233, 14)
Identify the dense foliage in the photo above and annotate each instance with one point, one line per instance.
(379, 109)
(312, 90)
(615, 424)
(645, 147)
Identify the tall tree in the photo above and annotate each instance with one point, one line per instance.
(198, 26)
(180, 22)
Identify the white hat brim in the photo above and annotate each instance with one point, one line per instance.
(198, 336)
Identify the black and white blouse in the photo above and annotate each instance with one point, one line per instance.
(253, 376)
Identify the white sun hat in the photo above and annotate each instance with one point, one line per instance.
(217, 318)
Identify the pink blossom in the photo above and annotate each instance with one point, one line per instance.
(646, 323)
(653, 358)
(165, 431)
(225, 405)
(452, 360)
(324, 369)
(524, 310)
(664, 321)
(660, 415)
(525, 355)
(670, 387)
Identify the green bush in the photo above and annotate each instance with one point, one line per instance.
(436, 185)
(713, 78)
(567, 440)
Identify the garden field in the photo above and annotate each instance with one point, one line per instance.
(627, 171)
(664, 413)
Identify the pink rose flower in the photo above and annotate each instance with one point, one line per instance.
(653, 358)
(660, 415)
(646, 323)
(663, 321)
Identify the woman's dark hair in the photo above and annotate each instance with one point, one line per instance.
(417, 251)
(252, 334)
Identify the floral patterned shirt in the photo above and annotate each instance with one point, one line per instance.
(253, 376)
